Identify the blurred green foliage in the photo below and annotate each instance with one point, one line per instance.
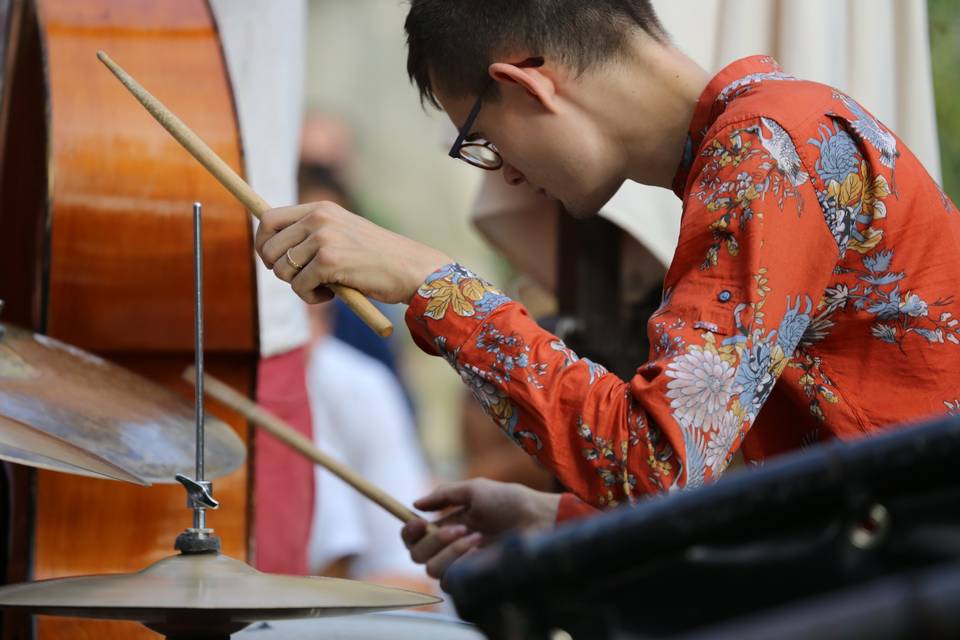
(945, 48)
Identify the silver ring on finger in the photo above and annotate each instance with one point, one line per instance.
(293, 263)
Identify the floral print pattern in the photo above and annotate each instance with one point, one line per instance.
(897, 313)
(853, 197)
(738, 200)
(701, 387)
(740, 86)
(813, 295)
(495, 403)
(872, 131)
(596, 370)
(611, 461)
(455, 288)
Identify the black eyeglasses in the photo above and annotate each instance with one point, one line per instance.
(474, 149)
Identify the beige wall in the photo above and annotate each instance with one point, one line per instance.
(356, 68)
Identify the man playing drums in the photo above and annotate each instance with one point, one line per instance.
(812, 294)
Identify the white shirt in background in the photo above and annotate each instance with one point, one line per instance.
(264, 42)
(361, 417)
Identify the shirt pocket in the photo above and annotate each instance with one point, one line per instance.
(710, 304)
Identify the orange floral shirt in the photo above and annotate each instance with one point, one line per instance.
(813, 295)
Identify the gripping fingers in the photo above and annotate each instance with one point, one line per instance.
(412, 532)
(430, 545)
(310, 282)
(287, 268)
(276, 219)
(454, 494)
(274, 250)
(438, 564)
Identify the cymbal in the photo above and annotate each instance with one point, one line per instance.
(395, 625)
(20, 443)
(204, 596)
(106, 410)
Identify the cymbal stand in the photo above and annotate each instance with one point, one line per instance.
(198, 538)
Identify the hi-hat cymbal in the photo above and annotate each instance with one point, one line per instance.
(115, 414)
(204, 596)
(21, 444)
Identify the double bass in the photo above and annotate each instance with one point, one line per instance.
(96, 250)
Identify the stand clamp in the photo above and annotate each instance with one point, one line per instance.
(198, 538)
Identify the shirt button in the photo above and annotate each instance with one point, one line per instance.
(724, 296)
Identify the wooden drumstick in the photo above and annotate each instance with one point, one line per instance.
(235, 184)
(303, 445)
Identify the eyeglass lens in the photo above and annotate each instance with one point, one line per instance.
(480, 154)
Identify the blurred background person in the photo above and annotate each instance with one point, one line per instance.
(361, 417)
(326, 155)
(261, 67)
(361, 414)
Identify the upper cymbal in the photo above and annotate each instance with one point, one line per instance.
(21, 444)
(115, 414)
(204, 595)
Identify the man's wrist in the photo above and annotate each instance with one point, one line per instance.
(542, 509)
(428, 264)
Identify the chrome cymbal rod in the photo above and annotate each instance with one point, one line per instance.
(199, 515)
(199, 538)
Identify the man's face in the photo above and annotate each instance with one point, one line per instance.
(560, 153)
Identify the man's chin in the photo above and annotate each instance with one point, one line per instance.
(581, 213)
(584, 209)
(589, 206)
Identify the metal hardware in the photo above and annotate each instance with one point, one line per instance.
(198, 538)
(199, 494)
(873, 530)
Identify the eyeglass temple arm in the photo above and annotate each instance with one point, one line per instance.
(534, 62)
(465, 130)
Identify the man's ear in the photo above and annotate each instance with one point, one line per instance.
(533, 80)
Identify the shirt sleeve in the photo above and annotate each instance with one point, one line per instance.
(753, 260)
(573, 508)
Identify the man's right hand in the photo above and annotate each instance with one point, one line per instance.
(321, 243)
(477, 511)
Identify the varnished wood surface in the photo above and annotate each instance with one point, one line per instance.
(122, 189)
(106, 221)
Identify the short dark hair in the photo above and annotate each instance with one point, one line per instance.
(457, 40)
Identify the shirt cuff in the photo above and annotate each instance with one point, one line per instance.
(573, 508)
(449, 306)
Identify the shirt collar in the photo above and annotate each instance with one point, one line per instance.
(722, 89)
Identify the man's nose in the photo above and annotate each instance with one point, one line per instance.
(512, 176)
